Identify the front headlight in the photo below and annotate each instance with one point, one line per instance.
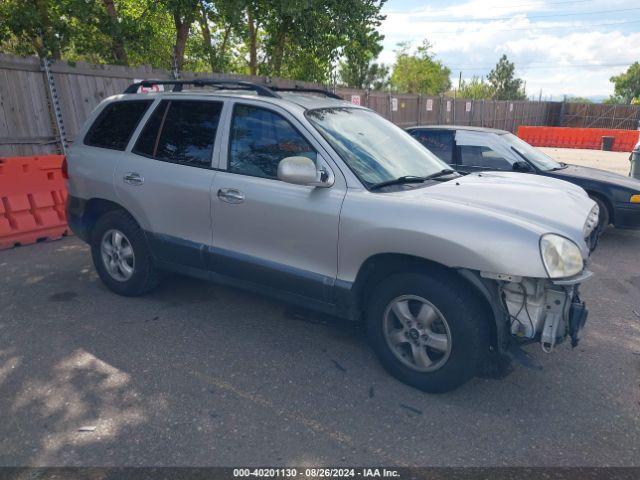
(561, 257)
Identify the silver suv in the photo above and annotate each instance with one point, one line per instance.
(326, 204)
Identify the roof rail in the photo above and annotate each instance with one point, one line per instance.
(261, 90)
(297, 88)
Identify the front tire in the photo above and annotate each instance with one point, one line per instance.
(428, 332)
(121, 255)
(605, 216)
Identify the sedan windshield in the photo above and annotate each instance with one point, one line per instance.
(375, 149)
(535, 156)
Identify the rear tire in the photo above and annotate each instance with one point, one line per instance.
(121, 255)
(414, 349)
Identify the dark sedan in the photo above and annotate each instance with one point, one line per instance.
(475, 149)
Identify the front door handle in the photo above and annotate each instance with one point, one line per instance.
(230, 195)
(133, 178)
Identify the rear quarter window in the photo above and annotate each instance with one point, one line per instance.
(181, 131)
(116, 123)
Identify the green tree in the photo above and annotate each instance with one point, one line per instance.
(357, 66)
(35, 27)
(504, 82)
(219, 23)
(577, 100)
(99, 31)
(303, 39)
(375, 76)
(627, 85)
(419, 72)
(299, 39)
(475, 89)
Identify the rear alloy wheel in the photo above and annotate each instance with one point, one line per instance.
(117, 255)
(121, 255)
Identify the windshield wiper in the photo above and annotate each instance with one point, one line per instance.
(411, 179)
(398, 181)
(441, 173)
(562, 166)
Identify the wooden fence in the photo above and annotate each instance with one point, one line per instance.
(597, 115)
(28, 102)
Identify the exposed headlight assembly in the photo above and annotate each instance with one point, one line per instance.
(561, 256)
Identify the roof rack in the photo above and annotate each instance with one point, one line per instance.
(261, 90)
(306, 90)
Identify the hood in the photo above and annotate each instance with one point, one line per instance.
(544, 204)
(588, 173)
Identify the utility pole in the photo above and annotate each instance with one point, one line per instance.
(460, 80)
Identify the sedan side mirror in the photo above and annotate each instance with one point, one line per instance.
(301, 171)
(521, 166)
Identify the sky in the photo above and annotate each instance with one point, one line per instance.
(559, 47)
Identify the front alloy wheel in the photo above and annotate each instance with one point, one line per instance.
(417, 333)
(428, 328)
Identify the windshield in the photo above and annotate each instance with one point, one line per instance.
(535, 156)
(374, 148)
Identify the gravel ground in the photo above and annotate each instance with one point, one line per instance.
(199, 374)
(617, 162)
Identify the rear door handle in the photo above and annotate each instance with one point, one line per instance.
(133, 178)
(230, 195)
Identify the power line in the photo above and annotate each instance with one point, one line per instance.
(539, 4)
(542, 4)
(533, 27)
(543, 67)
(495, 19)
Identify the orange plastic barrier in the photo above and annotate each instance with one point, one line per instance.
(590, 138)
(32, 198)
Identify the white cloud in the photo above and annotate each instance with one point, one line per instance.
(539, 48)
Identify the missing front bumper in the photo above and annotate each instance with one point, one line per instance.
(544, 310)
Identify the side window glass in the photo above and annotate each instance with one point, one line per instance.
(147, 140)
(181, 131)
(439, 143)
(485, 157)
(115, 124)
(261, 138)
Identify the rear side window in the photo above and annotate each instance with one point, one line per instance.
(439, 143)
(181, 131)
(260, 138)
(115, 124)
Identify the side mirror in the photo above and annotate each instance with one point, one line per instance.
(301, 171)
(521, 166)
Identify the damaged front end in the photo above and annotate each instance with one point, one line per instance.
(544, 309)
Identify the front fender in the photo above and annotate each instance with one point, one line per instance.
(456, 236)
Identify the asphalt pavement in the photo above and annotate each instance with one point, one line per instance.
(197, 374)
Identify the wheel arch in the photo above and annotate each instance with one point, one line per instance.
(380, 266)
(607, 203)
(96, 208)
